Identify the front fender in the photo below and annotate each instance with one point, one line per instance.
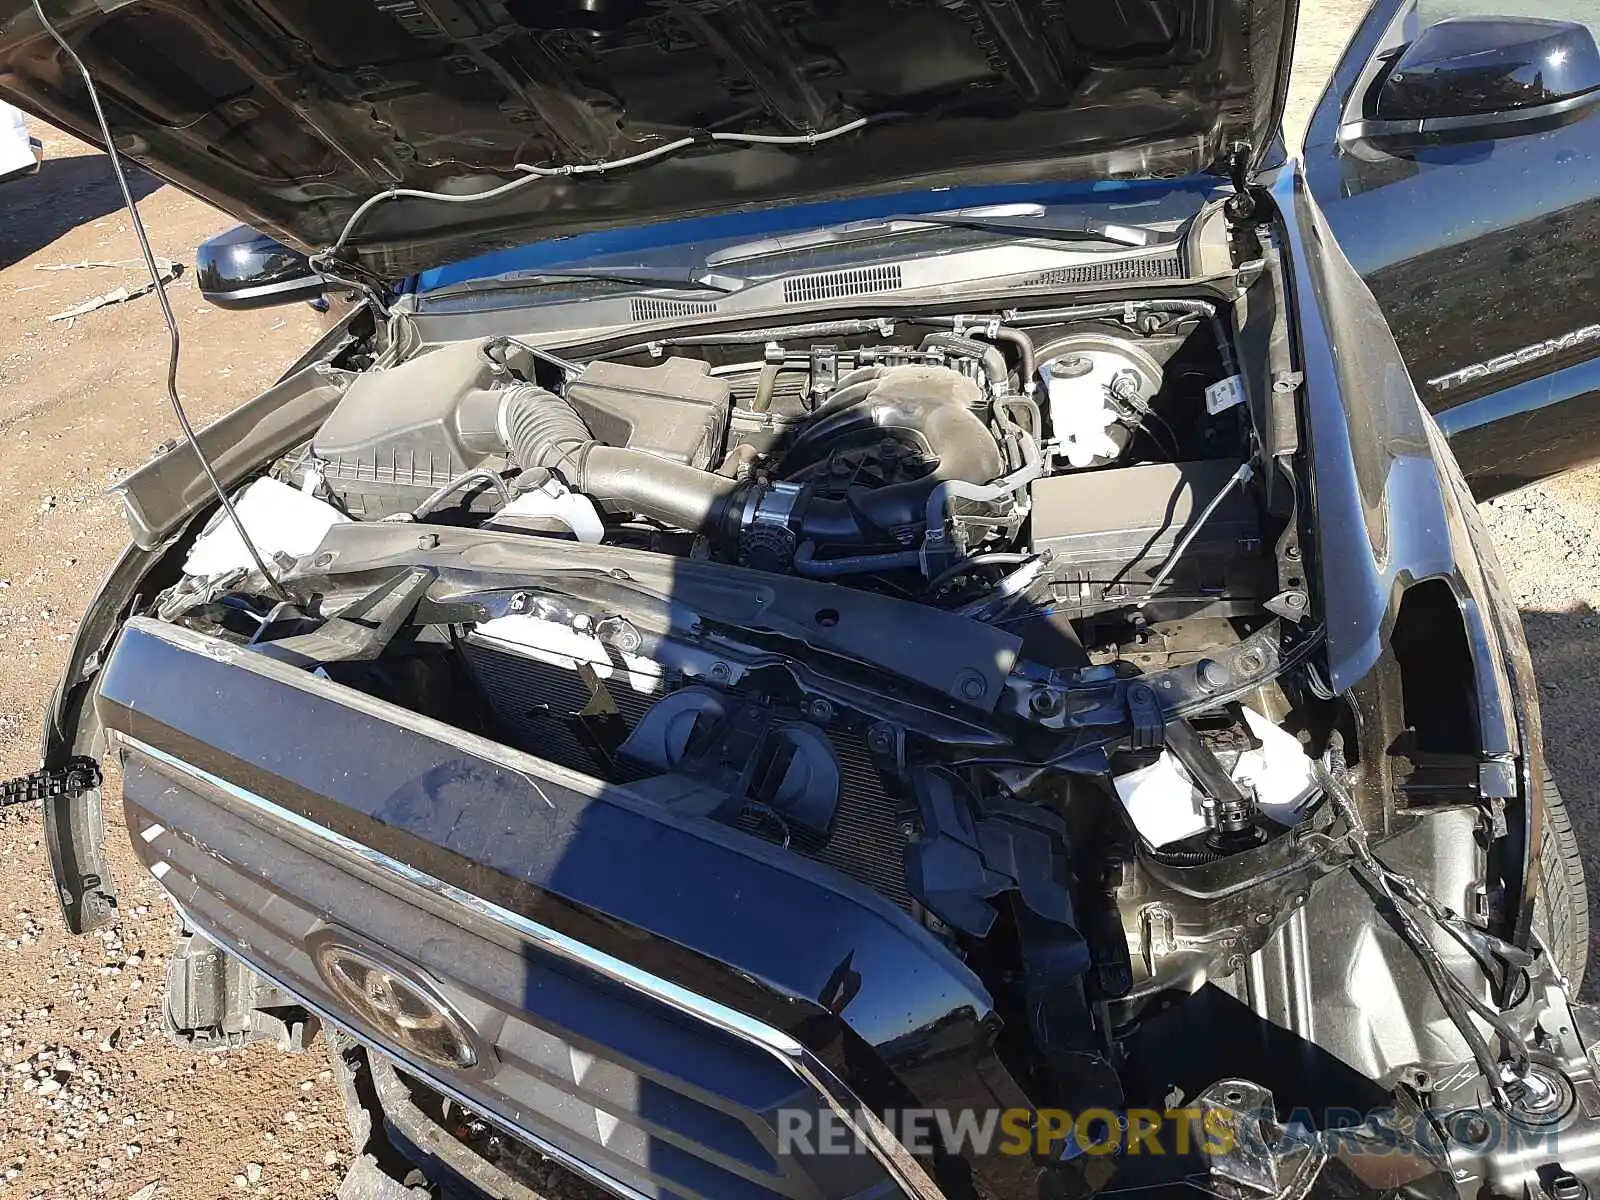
(1393, 511)
(73, 825)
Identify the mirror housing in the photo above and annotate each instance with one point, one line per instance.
(1475, 78)
(244, 268)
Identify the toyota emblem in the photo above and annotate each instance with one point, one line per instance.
(397, 1004)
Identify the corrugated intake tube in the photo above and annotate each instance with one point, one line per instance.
(541, 430)
(932, 406)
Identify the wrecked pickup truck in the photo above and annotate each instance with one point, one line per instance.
(917, 641)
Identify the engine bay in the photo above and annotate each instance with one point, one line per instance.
(1003, 621)
(1076, 494)
(932, 469)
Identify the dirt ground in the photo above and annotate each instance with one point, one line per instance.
(93, 1102)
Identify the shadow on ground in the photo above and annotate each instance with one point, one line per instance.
(64, 194)
(1566, 657)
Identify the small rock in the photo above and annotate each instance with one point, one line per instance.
(240, 1182)
(252, 1172)
(330, 1159)
(146, 1192)
(49, 1087)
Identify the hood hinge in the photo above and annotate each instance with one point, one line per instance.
(1247, 200)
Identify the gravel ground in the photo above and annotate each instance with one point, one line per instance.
(92, 1100)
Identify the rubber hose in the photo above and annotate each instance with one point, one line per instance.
(541, 430)
(673, 493)
(1013, 337)
(994, 362)
(805, 563)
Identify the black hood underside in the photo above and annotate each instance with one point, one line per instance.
(289, 113)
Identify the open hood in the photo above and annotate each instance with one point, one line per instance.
(290, 113)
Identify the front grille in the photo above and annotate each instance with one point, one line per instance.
(836, 285)
(653, 1098)
(536, 702)
(1117, 270)
(651, 308)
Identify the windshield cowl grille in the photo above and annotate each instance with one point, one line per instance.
(835, 285)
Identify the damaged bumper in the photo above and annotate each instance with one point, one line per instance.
(506, 962)
(674, 1048)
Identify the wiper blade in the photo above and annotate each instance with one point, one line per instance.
(643, 277)
(1079, 229)
(1010, 220)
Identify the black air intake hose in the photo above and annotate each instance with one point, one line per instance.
(932, 405)
(540, 429)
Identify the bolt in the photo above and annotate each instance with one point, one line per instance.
(1295, 600)
(518, 602)
(1045, 703)
(880, 739)
(1250, 662)
(1470, 1129)
(428, 541)
(720, 672)
(1263, 918)
(1292, 553)
(323, 560)
(1212, 675)
(973, 685)
(820, 710)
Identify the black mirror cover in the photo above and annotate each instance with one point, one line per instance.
(246, 269)
(1471, 66)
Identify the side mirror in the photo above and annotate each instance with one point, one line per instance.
(246, 269)
(1475, 78)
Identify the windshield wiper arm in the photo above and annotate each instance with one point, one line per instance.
(1075, 229)
(645, 277)
(1011, 220)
